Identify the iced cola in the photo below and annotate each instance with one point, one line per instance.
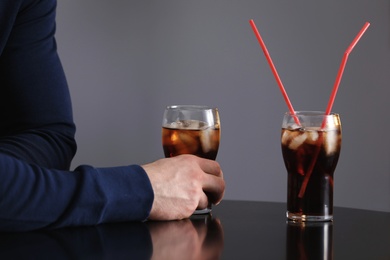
(190, 137)
(311, 152)
(191, 129)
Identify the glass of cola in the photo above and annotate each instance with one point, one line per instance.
(191, 129)
(310, 151)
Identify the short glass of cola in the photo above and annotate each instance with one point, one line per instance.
(191, 129)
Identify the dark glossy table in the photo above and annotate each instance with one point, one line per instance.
(235, 230)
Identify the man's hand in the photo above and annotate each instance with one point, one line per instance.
(180, 185)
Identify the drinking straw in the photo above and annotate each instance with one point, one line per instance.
(342, 66)
(274, 71)
(330, 104)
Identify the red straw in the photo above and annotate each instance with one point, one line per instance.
(330, 104)
(278, 80)
(342, 66)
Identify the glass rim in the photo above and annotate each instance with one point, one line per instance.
(190, 107)
(310, 113)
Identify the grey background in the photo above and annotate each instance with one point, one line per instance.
(126, 60)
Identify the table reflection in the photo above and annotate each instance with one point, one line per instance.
(309, 240)
(200, 237)
(236, 230)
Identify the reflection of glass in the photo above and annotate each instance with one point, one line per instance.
(309, 240)
(200, 237)
(191, 129)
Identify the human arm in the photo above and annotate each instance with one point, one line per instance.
(33, 197)
(36, 121)
(37, 190)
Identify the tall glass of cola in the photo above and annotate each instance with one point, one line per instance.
(310, 151)
(191, 129)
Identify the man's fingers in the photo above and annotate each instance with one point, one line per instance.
(203, 201)
(214, 187)
(210, 167)
(213, 184)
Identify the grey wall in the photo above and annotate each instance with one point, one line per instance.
(126, 60)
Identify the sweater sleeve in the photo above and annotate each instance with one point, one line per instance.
(32, 197)
(37, 143)
(36, 121)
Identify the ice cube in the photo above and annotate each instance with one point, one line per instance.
(312, 136)
(294, 126)
(285, 137)
(288, 135)
(188, 143)
(297, 141)
(205, 140)
(174, 125)
(331, 142)
(203, 125)
(190, 124)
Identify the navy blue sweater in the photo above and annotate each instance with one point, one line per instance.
(37, 143)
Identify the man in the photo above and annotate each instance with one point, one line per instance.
(37, 144)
